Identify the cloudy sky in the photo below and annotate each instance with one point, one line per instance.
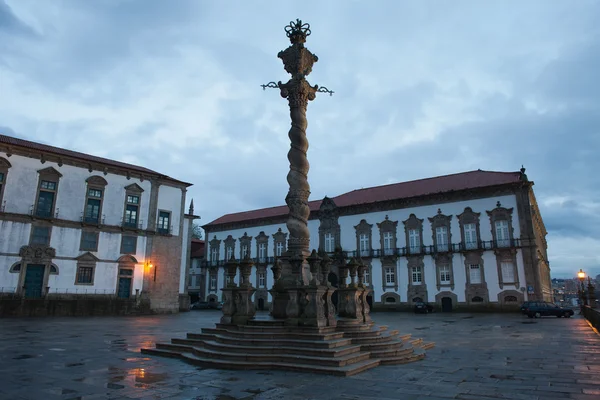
(421, 89)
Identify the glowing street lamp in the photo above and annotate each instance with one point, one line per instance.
(581, 277)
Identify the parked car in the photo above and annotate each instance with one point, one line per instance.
(421, 307)
(539, 309)
(524, 307)
(206, 305)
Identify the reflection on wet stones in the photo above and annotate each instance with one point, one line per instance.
(23, 357)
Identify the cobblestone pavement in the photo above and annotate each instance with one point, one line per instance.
(477, 356)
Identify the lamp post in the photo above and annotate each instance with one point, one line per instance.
(581, 277)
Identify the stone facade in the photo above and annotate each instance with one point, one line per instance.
(79, 225)
(437, 248)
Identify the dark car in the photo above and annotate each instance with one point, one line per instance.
(421, 307)
(525, 305)
(206, 305)
(539, 309)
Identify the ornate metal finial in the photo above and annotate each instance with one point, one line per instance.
(498, 204)
(297, 31)
(439, 211)
(191, 210)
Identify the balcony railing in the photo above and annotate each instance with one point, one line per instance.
(406, 251)
(168, 230)
(125, 223)
(89, 219)
(39, 213)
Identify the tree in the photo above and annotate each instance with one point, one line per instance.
(196, 232)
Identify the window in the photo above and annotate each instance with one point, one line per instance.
(244, 251)
(508, 272)
(92, 206)
(367, 276)
(441, 235)
(41, 235)
(85, 275)
(477, 299)
(329, 243)
(510, 299)
(470, 239)
(417, 275)
(129, 244)
(213, 282)
(475, 274)
(164, 222)
(262, 252)
(445, 277)
(46, 197)
(279, 249)
(364, 245)
(388, 246)
(229, 253)
(89, 241)
(414, 241)
(390, 275)
(214, 255)
(262, 281)
(131, 211)
(502, 236)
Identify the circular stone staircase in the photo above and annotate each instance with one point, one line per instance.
(344, 350)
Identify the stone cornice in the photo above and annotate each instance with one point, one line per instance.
(396, 204)
(91, 166)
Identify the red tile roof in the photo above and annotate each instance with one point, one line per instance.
(12, 141)
(402, 190)
(197, 250)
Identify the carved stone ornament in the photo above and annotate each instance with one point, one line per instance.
(37, 253)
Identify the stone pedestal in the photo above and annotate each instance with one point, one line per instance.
(228, 306)
(313, 307)
(330, 310)
(366, 310)
(350, 304)
(244, 306)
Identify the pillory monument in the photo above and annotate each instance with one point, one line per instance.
(305, 331)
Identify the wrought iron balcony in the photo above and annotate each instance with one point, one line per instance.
(126, 223)
(165, 230)
(93, 220)
(40, 213)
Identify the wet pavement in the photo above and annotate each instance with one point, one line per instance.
(477, 356)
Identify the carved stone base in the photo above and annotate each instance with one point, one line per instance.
(350, 304)
(313, 313)
(366, 310)
(279, 303)
(228, 306)
(330, 310)
(244, 306)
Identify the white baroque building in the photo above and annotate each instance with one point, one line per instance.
(472, 240)
(80, 225)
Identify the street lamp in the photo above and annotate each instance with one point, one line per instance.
(581, 276)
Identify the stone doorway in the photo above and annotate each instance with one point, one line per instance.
(34, 280)
(261, 304)
(446, 304)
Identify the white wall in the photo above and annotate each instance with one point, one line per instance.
(13, 235)
(8, 281)
(169, 199)
(348, 242)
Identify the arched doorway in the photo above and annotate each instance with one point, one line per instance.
(333, 279)
(446, 304)
(261, 304)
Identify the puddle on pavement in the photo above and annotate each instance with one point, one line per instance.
(23, 357)
(420, 329)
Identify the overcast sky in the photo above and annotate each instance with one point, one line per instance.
(422, 88)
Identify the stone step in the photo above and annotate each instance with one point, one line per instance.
(266, 322)
(319, 344)
(367, 333)
(321, 352)
(405, 337)
(354, 327)
(427, 346)
(374, 339)
(276, 335)
(383, 346)
(402, 360)
(174, 347)
(285, 329)
(200, 336)
(190, 342)
(416, 342)
(280, 358)
(394, 353)
(346, 370)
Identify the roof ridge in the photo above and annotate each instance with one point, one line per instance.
(423, 179)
